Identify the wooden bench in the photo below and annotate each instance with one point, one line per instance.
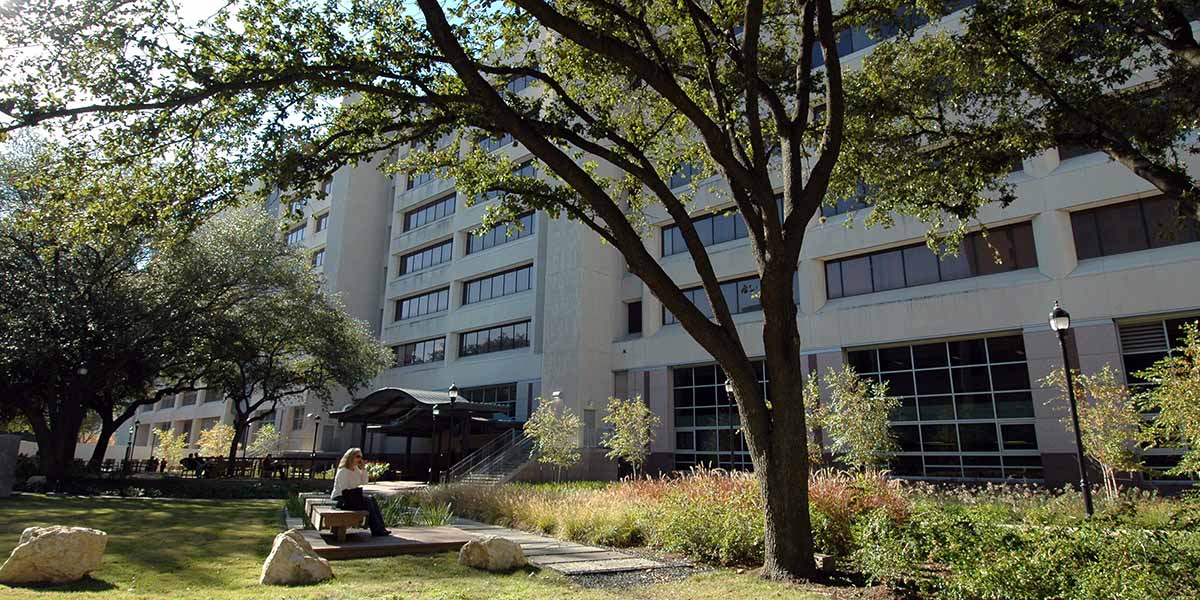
(324, 515)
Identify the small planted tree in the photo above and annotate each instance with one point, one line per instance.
(266, 441)
(633, 430)
(215, 440)
(555, 433)
(1109, 422)
(171, 446)
(856, 419)
(1175, 398)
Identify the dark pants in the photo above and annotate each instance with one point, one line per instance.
(374, 515)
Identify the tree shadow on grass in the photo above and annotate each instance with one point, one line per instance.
(87, 584)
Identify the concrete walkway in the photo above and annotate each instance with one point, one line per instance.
(567, 558)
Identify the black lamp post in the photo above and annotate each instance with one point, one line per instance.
(437, 448)
(312, 456)
(729, 399)
(129, 446)
(316, 431)
(1060, 322)
(453, 393)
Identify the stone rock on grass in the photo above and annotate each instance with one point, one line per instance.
(293, 562)
(54, 554)
(492, 553)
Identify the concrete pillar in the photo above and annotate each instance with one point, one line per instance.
(1055, 243)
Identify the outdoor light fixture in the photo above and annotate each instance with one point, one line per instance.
(729, 386)
(556, 395)
(1060, 322)
(453, 393)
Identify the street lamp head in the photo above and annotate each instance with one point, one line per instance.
(453, 393)
(729, 386)
(556, 395)
(82, 371)
(1060, 320)
(436, 412)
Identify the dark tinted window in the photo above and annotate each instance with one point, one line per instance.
(1129, 227)
(438, 209)
(917, 265)
(498, 285)
(428, 257)
(502, 234)
(633, 311)
(494, 339)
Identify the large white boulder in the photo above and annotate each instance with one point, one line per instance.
(492, 554)
(54, 555)
(293, 562)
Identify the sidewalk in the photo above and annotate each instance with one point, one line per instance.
(567, 558)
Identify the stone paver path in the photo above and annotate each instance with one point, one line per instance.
(567, 558)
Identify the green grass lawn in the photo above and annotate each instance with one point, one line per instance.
(211, 550)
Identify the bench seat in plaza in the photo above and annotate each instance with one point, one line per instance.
(324, 515)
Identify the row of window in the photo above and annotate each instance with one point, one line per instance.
(711, 229)
(494, 339)
(491, 144)
(966, 407)
(498, 285)
(424, 304)
(504, 394)
(741, 295)
(706, 420)
(525, 169)
(416, 353)
(918, 265)
(1129, 227)
(859, 37)
(502, 234)
(480, 341)
(418, 180)
(427, 257)
(430, 212)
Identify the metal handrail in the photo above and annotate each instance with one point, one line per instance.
(522, 445)
(496, 446)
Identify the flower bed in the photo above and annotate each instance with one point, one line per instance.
(987, 541)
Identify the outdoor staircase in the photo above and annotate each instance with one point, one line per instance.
(496, 463)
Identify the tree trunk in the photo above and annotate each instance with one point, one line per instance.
(788, 534)
(781, 463)
(239, 428)
(107, 429)
(57, 437)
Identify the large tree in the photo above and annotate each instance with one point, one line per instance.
(285, 340)
(631, 92)
(1117, 76)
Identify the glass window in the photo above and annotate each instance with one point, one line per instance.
(833, 279)
(978, 437)
(711, 229)
(430, 212)
(494, 339)
(920, 266)
(423, 304)
(856, 276)
(957, 408)
(887, 270)
(703, 415)
(501, 234)
(633, 312)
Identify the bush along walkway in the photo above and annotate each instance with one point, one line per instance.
(567, 558)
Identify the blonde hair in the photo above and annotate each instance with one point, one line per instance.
(348, 456)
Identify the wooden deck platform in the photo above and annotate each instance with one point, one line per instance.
(403, 540)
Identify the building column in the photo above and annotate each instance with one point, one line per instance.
(1055, 243)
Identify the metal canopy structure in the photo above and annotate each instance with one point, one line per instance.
(409, 412)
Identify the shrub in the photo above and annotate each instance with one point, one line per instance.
(377, 470)
(711, 516)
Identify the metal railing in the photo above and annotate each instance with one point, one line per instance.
(484, 453)
(498, 451)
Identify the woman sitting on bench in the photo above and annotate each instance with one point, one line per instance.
(348, 493)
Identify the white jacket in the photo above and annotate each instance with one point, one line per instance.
(346, 479)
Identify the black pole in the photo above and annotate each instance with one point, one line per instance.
(312, 456)
(1084, 484)
(437, 449)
